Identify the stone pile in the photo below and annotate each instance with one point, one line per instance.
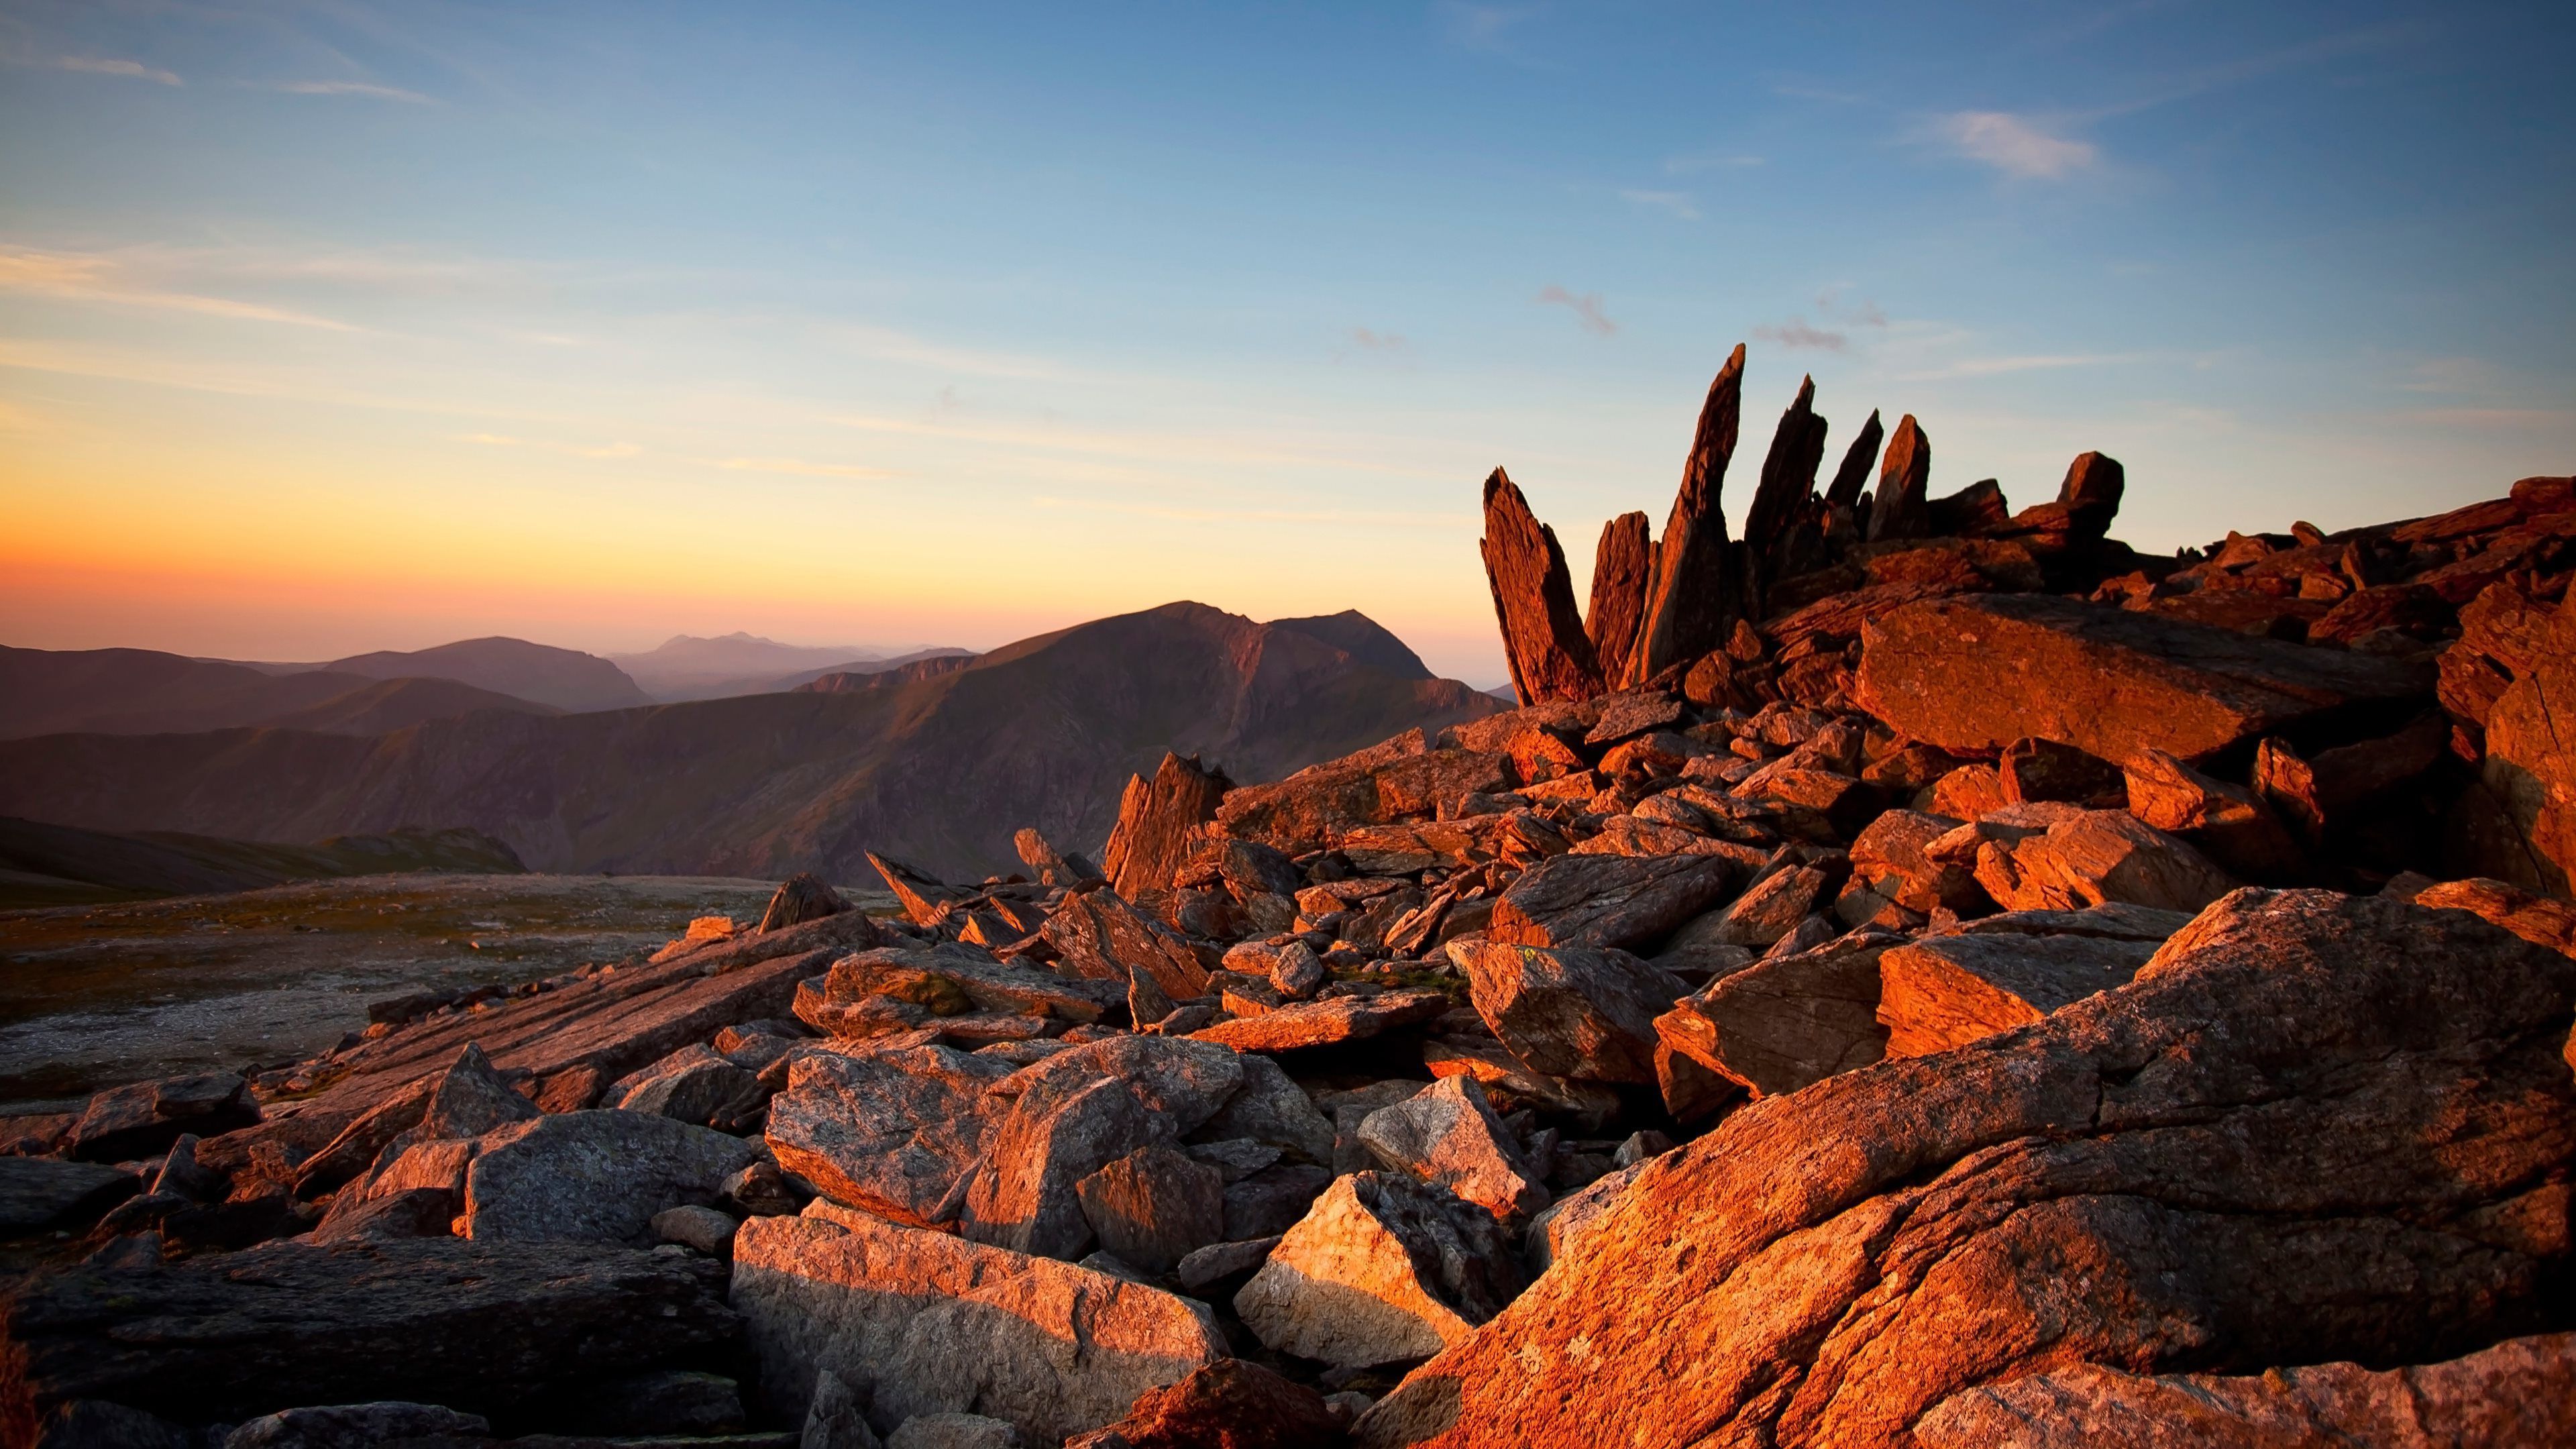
(1921, 973)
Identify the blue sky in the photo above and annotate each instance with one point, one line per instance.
(325, 327)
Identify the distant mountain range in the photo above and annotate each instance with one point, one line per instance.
(938, 769)
(687, 667)
(56, 865)
(564, 678)
(142, 691)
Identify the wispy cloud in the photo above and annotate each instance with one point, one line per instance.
(130, 69)
(1996, 366)
(353, 88)
(1676, 202)
(2496, 417)
(99, 277)
(2019, 146)
(1483, 27)
(569, 450)
(897, 346)
(1370, 340)
(1796, 336)
(2452, 375)
(1708, 161)
(800, 466)
(1586, 308)
(1254, 515)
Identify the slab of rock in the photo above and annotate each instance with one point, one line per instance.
(1773, 907)
(1229, 1404)
(1607, 900)
(800, 898)
(955, 1431)
(1270, 1109)
(1901, 508)
(1789, 1021)
(1383, 1269)
(1497, 1069)
(594, 1177)
(1270, 1201)
(951, 980)
(1313, 808)
(347, 1426)
(41, 1193)
(1450, 1138)
(895, 1132)
(2254, 1153)
(478, 1327)
(1327, 1022)
(1567, 1219)
(2097, 856)
(1099, 936)
(1217, 1262)
(1946, 991)
(145, 1118)
(2530, 762)
(1570, 1011)
(416, 1212)
(1075, 1113)
(2229, 823)
(2537, 919)
(918, 1322)
(1693, 597)
(1154, 1206)
(1054, 867)
(1543, 639)
(1979, 672)
(1158, 824)
(1621, 569)
(2520, 1392)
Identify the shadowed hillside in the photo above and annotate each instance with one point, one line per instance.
(144, 691)
(564, 678)
(940, 771)
(49, 865)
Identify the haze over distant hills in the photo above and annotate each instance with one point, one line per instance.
(144, 691)
(688, 667)
(939, 770)
(565, 678)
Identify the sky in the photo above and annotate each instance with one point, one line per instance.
(333, 327)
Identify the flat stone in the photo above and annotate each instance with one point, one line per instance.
(353, 1426)
(1324, 1023)
(594, 1176)
(918, 1322)
(1631, 903)
(1230, 1404)
(38, 1193)
(1216, 1262)
(895, 1132)
(1789, 1021)
(693, 1085)
(1946, 991)
(146, 1117)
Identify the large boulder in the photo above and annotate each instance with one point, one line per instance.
(1403, 779)
(477, 1326)
(2088, 857)
(1326, 1023)
(1449, 1137)
(1230, 1404)
(1380, 1270)
(1788, 1021)
(37, 1193)
(2531, 751)
(1158, 824)
(2313, 1127)
(2520, 1392)
(1948, 990)
(1630, 902)
(596, 1177)
(895, 1132)
(146, 1117)
(1073, 1114)
(917, 1323)
(1979, 672)
(1154, 1207)
(1102, 938)
(1569, 1011)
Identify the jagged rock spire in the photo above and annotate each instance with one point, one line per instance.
(1848, 479)
(1695, 595)
(1621, 569)
(1901, 509)
(1788, 472)
(1551, 656)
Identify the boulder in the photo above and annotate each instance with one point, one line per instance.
(1543, 639)
(800, 898)
(2230, 824)
(1381, 1270)
(1327, 1022)
(1158, 824)
(1230, 1404)
(1629, 902)
(146, 1117)
(1788, 1021)
(40, 1193)
(1567, 1219)
(952, 980)
(353, 1426)
(1269, 1202)
(481, 1327)
(895, 1132)
(1154, 1206)
(2314, 1127)
(835, 1416)
(1772, 907)
(1450, 1138)
(1269, 1108)
(2530, 762)
(2520, 1392)
(692, 1085)
(1570, 1011)
(1887, 858)
(1054, 867)
(1205, 1268)
(2093, 856)
(96, 1424)
(412, 1212)
(918, 1322)
(955, 1431)
(1494, 1066)
(1901, 508)
(1075, 1113)
(2537, 919)
(1978, 672)
(1313, 808)
(593, 1176)
(1946, 991)
(692, 1226)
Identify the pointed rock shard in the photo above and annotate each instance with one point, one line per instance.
(1621, 571)
(2091, 495)
(1692, 601)
(1788, 473)
(1158, 824)
(1848, 479)
(1054, 867)
(1550, 655)
(1901, 509)
(802, 897)
(923, 896)
(1381, 1269)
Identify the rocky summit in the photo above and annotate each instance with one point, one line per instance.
(1920, 973)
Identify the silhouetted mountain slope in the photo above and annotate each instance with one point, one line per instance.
(564, 678)
(687, 667)
(939, 771)
(889, 677)
(42, 865)
(378, 706)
